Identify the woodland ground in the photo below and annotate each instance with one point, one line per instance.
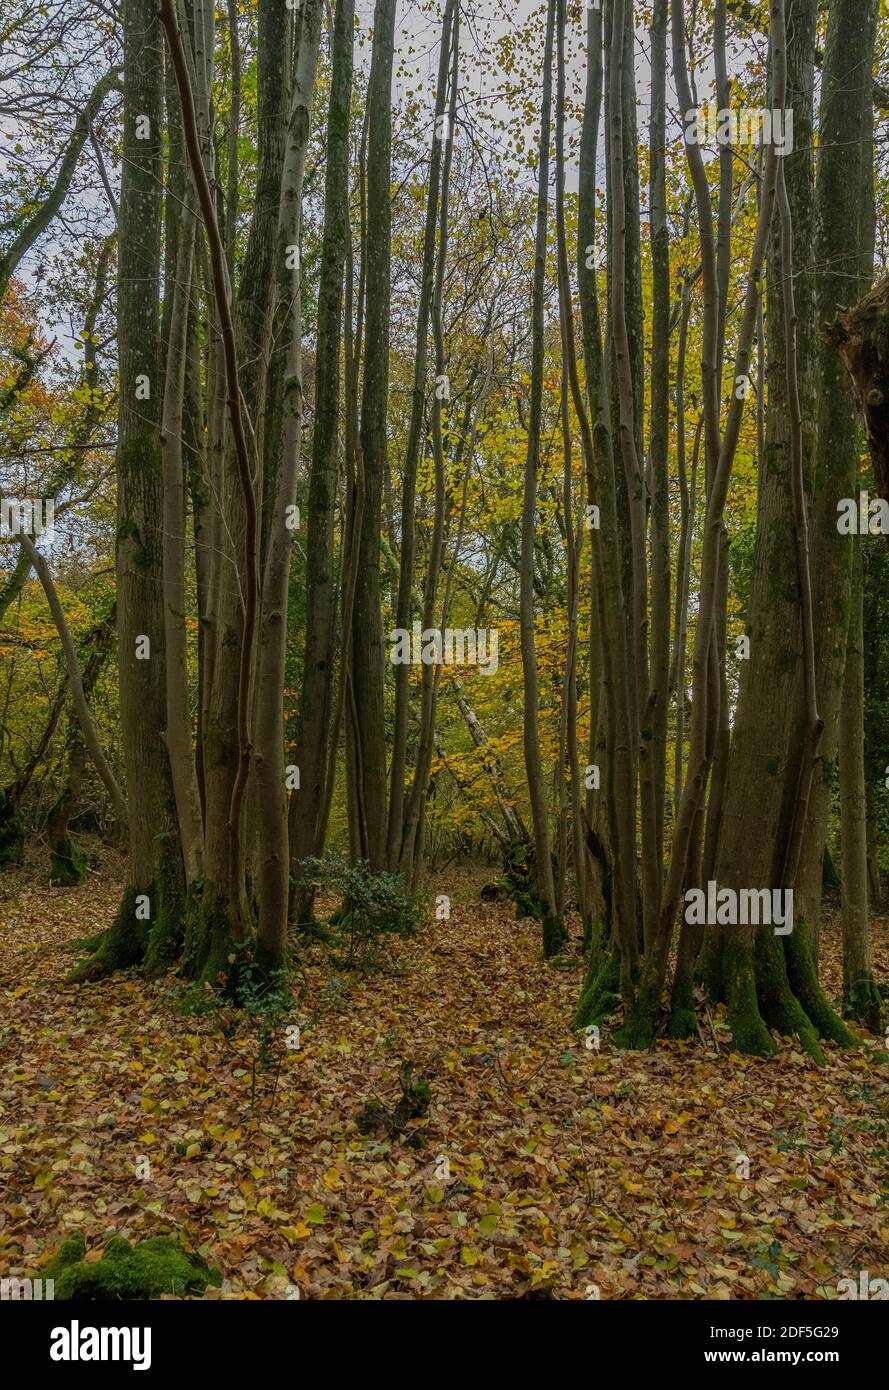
(569, 1167)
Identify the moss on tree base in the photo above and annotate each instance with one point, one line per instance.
(775, 986)
(120, 948)
(802, 975)
(599, 996)
(68, 864)
(749, 1032)
(554, 935)
(778, 1005)
(864, 1003)
(640, 1026)
(683, 1022)
(133, 939)
(212, 942)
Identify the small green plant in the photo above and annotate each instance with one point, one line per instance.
(251, 1012)
(373, 906)
(265, 998)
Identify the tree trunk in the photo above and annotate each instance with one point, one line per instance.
(67, 859)
(607, 587)
(843, 243)
(414, 440)
(367, 635)
(861, 995)
(659, 431)
(270, 790)
(155, 871)
(553, 929)
(314, 734)
(431, 674)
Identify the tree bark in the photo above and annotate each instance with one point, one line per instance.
(367, 636)
(553, 930)
(314, 730)
(270, 791)
(861, 996)
(412, 447)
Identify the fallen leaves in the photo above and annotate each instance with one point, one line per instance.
(548, 1168)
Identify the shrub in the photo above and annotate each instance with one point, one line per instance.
(373, 905)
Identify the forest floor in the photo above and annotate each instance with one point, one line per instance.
(569, 1170)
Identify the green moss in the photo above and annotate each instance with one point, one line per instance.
(864, 1003)
(778, 1004)
(71, 1252)
(171, 905)
(120, 948)
(554, 935)
(803, 977)
(421, 1097)
(88, 943)
(640, 1026)
(683, 1022)
(211, 940)
(131, 941)
(599, 996)
(68, 864)
(147, 1270)
(749, 1032)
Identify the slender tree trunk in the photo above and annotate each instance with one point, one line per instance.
(607, 590)
(843, 250)
(553, 930)
(178, 724)
(431, 673)
(272, 652)
(861, 995)
(67, 859)
(155, 871)
(78, 698)
(660, 429)
(414, 439)
(314, 734)
(367, 635)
